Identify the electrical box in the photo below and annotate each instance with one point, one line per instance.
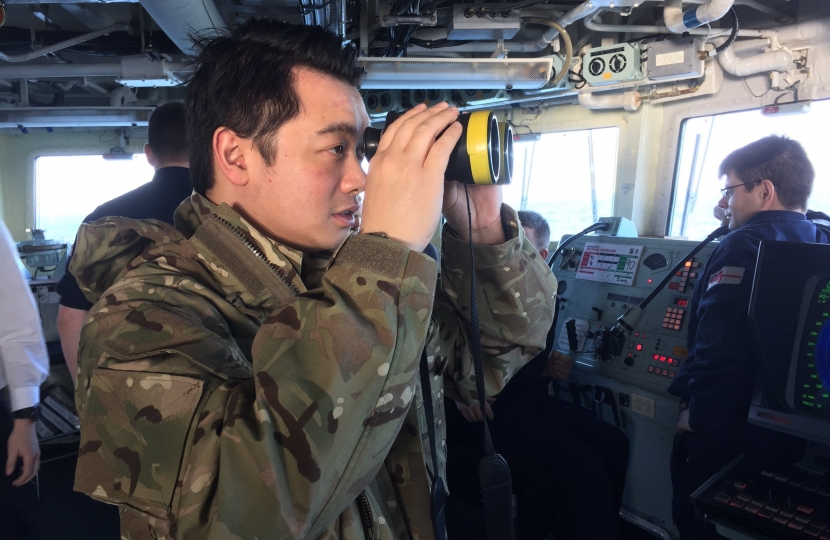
(383, 101)
(677, 58)
(613, 64)
(494, 25)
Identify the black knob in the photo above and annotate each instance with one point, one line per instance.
(629, 361)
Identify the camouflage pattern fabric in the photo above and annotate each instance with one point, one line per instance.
(231, 387)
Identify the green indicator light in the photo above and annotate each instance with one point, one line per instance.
(811, 365)
(808, 396)
(811, 344)
(813, 333)
(808, 403)
(825, 395)
(814, 376)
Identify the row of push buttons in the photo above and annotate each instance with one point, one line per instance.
(685, 275)
(798, 520)
(673, 318)
(664, 372)
(671, 361)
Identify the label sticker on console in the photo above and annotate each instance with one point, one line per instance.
(643, 405)
(609, 263)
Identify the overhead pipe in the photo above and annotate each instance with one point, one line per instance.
(678, 21)
(592, 24)
(104, 69)
(120, 27)
(630, 101)
(579, 12)
(777, 60)
(182, 19)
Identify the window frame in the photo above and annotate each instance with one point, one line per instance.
(31, 211)
(580, 124)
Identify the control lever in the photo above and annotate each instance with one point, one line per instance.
(598, 312)
(609, 343)
(570, 328)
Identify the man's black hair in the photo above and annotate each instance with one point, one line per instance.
(535, 221)
(778, 159)
(244, 82)
(166, 133)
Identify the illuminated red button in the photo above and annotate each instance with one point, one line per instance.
(637, 335)
(639, 347)
(677, 327)
(677, 274)
(656, 357)
(806, 509)
(662, 358)
(688, 264)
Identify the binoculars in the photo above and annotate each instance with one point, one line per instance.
(482, 156)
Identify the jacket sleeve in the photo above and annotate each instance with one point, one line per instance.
(722, 372)
(24, 363)
(515, 292)
(279, 452)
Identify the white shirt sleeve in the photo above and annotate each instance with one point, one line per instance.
(24, 362)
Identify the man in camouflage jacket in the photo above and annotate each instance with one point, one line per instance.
(240, 381)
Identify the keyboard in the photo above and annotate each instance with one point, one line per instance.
(782, 503)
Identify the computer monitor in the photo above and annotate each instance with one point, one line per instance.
(790, 310)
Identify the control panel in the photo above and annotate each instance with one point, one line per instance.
(600, 277)
(613, 64)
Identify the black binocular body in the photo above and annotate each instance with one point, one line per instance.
(482, 156)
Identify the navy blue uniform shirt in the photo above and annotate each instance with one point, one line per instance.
(157, 199)
(718, 377)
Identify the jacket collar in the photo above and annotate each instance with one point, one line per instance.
(775, 215)
(302, 270)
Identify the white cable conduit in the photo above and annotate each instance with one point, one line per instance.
(579, 12)
(592, 24)
(678, 22)
(64, 44)
(106, 69)
(630, 101)
(777, 60)
(180, 19)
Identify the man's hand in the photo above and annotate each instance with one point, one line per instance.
(558, 367)
(485, 207)
(406, 175)
(473, 413)
(23, 444)
(683, 425)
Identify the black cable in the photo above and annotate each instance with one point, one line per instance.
(475, 335)
(599, 226)
(733, 35)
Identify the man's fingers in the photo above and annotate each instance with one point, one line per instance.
(439, 154)
(401, 137)
(10, 462)
(489, 411)
(27, 472)
(425, 135)
(390, 132)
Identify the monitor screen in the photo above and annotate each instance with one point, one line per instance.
(810, 371)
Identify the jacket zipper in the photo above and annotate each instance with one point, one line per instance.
(366, 516)
(398, 499)
(256, 251)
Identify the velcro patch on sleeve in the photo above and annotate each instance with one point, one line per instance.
(728, 275)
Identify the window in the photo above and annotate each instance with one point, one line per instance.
(707, 140)
(68, 188)
(568, 177)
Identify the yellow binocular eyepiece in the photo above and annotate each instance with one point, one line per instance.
(483, 154)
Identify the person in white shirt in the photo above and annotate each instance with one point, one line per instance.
(24, 365)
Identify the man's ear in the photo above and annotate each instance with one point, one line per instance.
(767, 192)
(544, 253)
(151, 158)
(229, 156)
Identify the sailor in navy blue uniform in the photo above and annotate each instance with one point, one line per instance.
(765, 196)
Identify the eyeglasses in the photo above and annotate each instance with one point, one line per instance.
(728, 190)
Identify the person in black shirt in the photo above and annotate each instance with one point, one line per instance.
(168, 152)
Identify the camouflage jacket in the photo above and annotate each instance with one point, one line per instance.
(231, 387)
